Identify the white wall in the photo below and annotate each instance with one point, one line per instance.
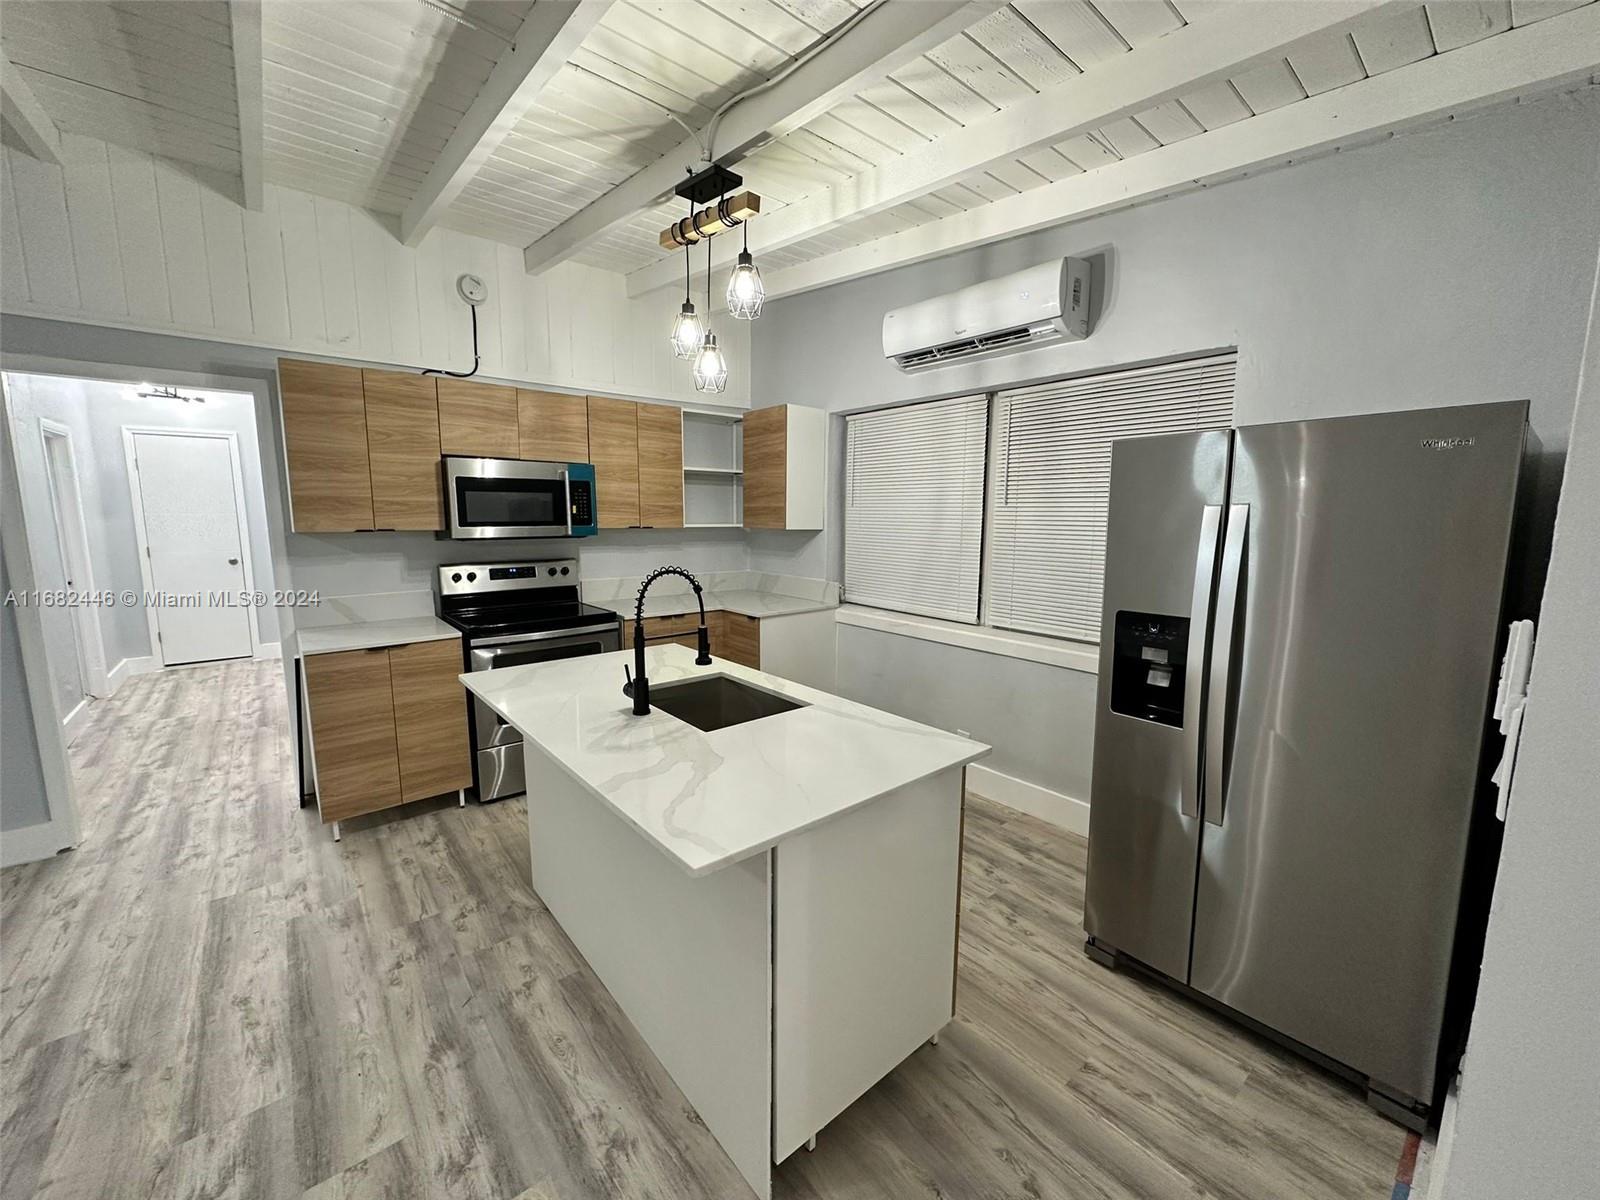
(1442, 267)
(1528, 1121)
(120, 238)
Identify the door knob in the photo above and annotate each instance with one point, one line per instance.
(233, 562)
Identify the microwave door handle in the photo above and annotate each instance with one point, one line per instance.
(566, 486)
(1233, 548)
(1205, 575)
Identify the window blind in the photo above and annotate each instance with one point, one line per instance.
(1052, 478)
(913, 531)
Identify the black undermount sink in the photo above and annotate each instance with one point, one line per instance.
(716, 702)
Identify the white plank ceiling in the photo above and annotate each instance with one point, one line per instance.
(361, 95)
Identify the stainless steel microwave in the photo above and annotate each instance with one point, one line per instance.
(509, 498)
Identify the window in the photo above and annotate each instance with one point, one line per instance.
(1052, 475)
(914, 507)
(916, 534)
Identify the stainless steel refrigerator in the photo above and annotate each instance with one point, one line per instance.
(1297, 660)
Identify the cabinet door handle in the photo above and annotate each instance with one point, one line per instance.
(233, 562)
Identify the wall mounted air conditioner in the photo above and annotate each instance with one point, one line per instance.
(1043, 304)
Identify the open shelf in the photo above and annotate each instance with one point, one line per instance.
(713, 470)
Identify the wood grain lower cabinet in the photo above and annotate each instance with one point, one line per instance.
(660, 434)
(351, 701)
(552, 426)
(614, 451)
(325, 442)
(403, 450)
(740, 640)
(430, 718)
(388, 725)
(478, 419)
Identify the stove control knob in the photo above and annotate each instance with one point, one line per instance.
(566, 570)
(551, 571)
(472, 576)
(456, 577)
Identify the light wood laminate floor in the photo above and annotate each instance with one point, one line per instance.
(210, 998)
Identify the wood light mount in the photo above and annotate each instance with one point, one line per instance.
(729, 211)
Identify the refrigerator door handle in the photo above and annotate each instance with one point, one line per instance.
(1221, 671)
(1205, 572)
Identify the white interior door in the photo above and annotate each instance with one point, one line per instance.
(191, 527)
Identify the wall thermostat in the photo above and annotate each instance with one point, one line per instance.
(473, 290)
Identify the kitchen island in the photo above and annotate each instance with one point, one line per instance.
(773, 903)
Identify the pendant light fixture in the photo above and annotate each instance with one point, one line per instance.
(710, 368)
(745, 291)
(687, 330)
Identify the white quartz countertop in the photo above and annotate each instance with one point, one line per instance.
(711, 799)
(745, 601)
(369, 635)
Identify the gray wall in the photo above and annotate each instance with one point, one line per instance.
(1443, 267)
(1528, 1122)
(22, 799)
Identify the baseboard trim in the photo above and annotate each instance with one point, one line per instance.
(1058, 808)
(32, 843)
(72, 723)
(128, 668)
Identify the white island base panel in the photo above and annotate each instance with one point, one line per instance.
(777, 990)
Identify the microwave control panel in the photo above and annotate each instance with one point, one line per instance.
(582, 502)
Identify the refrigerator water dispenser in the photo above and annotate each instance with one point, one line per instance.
(1147, 667)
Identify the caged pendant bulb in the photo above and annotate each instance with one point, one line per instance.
(687, 332)
(745, 292)
(710, 368)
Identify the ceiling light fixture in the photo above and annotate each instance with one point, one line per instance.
(162, 392)
(710, 367)
(687, 332)
(745, 290)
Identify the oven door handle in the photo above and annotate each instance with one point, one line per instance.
(512, 640)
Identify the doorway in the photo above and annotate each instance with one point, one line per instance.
(72, 634)
(188, 506)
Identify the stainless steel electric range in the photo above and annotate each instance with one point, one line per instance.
(511, 614)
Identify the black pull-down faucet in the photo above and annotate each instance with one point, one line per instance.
(637, 685)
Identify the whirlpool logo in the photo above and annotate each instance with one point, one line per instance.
(1448, 443)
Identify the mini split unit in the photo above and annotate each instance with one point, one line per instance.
(1043, 304)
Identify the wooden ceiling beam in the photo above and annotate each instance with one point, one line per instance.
(549, 34)
(26, 117)
(1225, 41)
(244, 20)
(1561, 51)
(882, 41)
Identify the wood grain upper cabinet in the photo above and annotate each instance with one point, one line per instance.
(353, 732)
(785, 467)
(552, 426)
(660, 466)
(614, 450)
(325, 439)
(403, 450)
(430, 718)
(478, 419)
